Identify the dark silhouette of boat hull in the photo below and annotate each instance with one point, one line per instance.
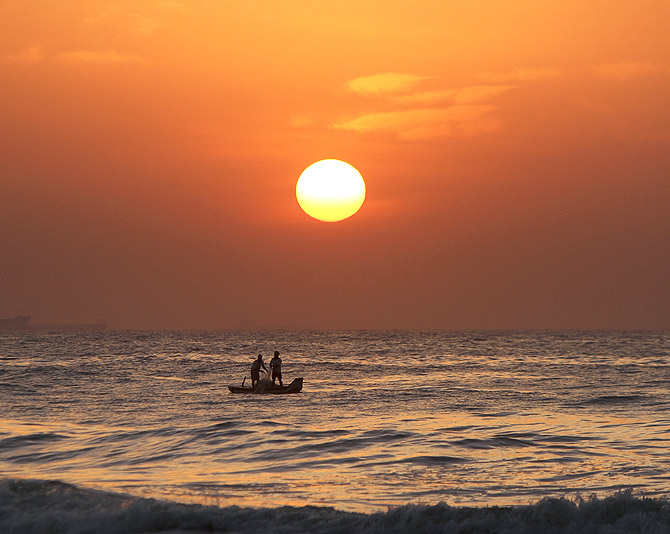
(293, 387)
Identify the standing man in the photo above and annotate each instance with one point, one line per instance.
(256, 370)
(275, 367)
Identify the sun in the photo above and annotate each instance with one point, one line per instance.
(330, 190)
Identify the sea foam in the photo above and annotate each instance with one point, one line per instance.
(29, 506)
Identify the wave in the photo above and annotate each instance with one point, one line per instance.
(17, 442)
(492, 443)
(608, 400)
(33, 506)
(421, 460)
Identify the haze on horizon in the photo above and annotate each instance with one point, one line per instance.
(516, 156)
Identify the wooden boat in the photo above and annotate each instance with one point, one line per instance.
(293, 387)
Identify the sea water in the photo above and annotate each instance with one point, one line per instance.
(393, 432)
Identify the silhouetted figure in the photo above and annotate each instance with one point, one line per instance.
(275, 367)
(256, 370)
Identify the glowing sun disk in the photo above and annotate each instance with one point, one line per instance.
(330, 190)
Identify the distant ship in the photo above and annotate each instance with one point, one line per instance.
(70, 327)
(20, 322)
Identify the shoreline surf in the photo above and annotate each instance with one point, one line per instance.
(32, 506)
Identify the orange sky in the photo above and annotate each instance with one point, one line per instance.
(516, 155)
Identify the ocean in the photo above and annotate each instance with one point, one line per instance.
(393, 432)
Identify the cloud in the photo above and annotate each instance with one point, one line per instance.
(142, 18)
(426, 122)
(27, 56)
(520, 75)
(441, 112)
(464, 95)
(98, 57)
(386, 83)
(628, 69)
(169, 4)
(145, 25)
(34, 54)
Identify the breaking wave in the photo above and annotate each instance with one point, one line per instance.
(30, 506)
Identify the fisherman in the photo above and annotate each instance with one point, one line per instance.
(275, 367)
(256, 370)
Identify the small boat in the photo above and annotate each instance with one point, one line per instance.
(293, 387)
